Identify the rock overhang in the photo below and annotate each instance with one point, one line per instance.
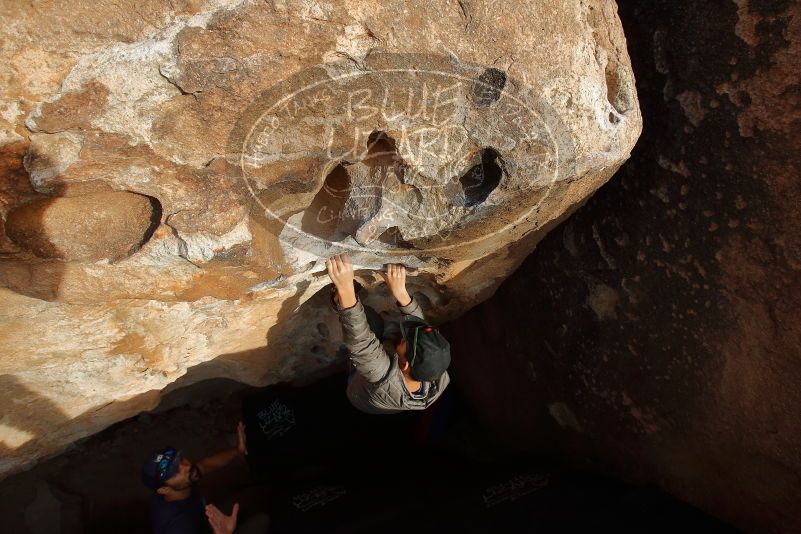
(505, 117)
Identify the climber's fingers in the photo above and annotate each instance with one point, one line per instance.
(339, 268)
(393, 270)
(331, 267)
(343, 263)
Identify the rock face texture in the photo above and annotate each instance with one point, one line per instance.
(175, 174)
(86, 228)
(656, 334)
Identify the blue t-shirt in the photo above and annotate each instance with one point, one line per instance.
(421, 391)
(187, 516)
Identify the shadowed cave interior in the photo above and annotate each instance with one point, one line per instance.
(317, 465)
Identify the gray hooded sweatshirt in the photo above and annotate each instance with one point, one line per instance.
(377, 387)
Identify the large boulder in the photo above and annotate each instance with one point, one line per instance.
(272, 135)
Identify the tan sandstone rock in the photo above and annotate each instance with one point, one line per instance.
(83, 228)
(449, 136)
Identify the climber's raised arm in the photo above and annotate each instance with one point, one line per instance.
(364, 348)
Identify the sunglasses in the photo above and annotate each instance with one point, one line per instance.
(424, 328)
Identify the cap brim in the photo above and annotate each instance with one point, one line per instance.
(175, 465)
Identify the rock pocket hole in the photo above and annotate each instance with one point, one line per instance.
(155, 221)
(393, 238)
(617, 91)
(382, 149)
(482, 179)
(322, 217)
(488, 88)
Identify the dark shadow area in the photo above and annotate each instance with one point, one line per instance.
(382, 146)
(155, 221)
(31, 414)
(392, 237)
(317, 465)
(20, 269)
(654, 336)
(323, 216)
(488, 88)
(192, 390)
(482, 179)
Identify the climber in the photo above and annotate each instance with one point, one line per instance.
(412, 374)
(177, 506)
